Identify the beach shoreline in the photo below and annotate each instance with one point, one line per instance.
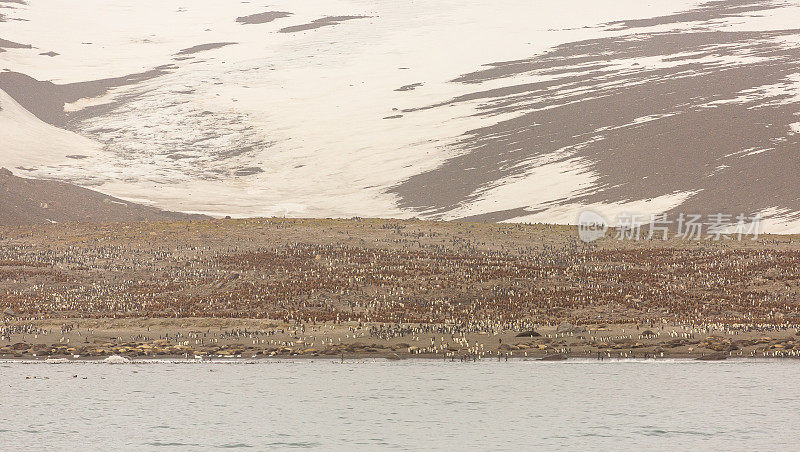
(243, 339)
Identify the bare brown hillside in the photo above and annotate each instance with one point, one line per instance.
(32, 201)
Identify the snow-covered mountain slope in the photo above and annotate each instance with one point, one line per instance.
(512, 110)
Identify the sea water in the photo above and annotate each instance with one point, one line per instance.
(413, 404)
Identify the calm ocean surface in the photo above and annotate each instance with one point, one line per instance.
(400, 404)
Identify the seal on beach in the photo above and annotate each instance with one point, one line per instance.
(556, 357)
(712, 357)
(529, 333)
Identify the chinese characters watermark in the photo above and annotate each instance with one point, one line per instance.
(634, 227)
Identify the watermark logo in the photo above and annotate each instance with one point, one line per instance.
(591, 226)
(634, 227)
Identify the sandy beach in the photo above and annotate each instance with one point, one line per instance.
(194, 338)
